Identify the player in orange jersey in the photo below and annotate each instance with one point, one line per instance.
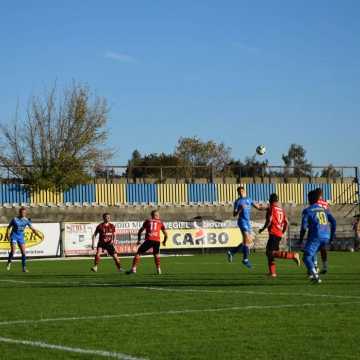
(276, 223)
(153, 228)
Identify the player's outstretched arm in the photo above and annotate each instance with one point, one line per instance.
(286, 224)
(141, 230)
(8, 230)
(267, 222)
(304, 226)
(7, 233)
(165, 236)
(258, 206)
(332, 222)
(37, 233)
(237, 210)
(93, 238)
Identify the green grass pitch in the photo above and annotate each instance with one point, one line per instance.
(200, 308)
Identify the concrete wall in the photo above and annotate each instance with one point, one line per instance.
(343, 213)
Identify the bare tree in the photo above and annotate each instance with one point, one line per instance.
(59, 139)
(192, 151)
(295, 161)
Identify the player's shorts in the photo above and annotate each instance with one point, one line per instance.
(19, 240)
(244, 226)
(109, 247)
(313, 246)
(273, 244)
(147, 245)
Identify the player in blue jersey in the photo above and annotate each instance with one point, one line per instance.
(15, 233)
(321, 228)
(242, 209)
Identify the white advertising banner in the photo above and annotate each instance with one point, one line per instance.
(182, 235)
(46, 245)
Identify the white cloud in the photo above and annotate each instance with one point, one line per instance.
(121, 57)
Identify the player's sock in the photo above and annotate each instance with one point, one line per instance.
(97, 260)
(315, 263)
(245, 251)
(284, 254)
(23, 261)
(323, 254)
(324, 269)
(135, 263)
(235, 250)
(309, 263)
(272, 267)
(11, 256)
(157, 261)
(117, 263)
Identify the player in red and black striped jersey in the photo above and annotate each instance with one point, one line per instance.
(153, 228)
(106, 233)
(276, 223)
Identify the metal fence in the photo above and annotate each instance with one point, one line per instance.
(210, 174)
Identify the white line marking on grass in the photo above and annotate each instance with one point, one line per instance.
(174, 312)
(152, 288)
(74, 258)
(43, 345)
(246, 292)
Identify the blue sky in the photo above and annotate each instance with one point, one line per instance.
(242, 72)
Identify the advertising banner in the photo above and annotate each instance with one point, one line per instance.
(46, 245)
(182, 235)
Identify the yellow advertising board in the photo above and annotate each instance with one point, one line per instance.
(30, 238)
(203, 238)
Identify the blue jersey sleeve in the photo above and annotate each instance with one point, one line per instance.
(29, 222)
(12, 223)
(305, 220)
(237, 205)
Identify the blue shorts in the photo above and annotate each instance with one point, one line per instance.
(314, 245)
(17, 240)
(244, 226)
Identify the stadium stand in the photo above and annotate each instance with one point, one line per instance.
(171, 194)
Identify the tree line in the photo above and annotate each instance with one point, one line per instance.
(61, 141)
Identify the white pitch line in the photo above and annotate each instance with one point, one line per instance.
(173, 312)
(152, 288)
(43, 345)
(247, 292)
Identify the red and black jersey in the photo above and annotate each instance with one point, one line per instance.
(106, 232)
(153, 229)
(278, 220)
(324, 204)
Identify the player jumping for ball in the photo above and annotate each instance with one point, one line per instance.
(106, 232)
(321, 227)
(276, 223)
(242, 209)
(152, 228)
(16, 230)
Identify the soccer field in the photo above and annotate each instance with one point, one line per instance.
(201, 308)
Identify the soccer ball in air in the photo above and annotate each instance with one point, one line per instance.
(261, 150)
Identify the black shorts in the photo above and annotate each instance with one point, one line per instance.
(273, 244)
(109, 247)
(147, 245)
